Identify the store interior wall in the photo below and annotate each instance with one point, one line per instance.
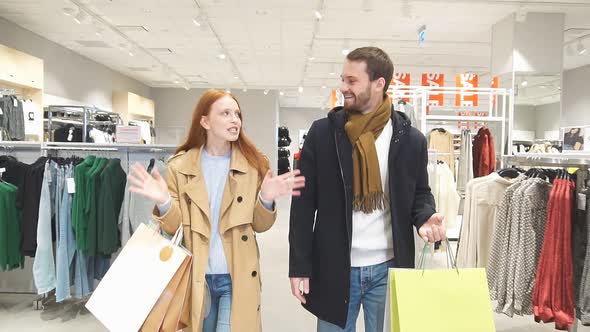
(576, 97)
(63, 74)
(547, 121)
(174, 110)
(296, 119)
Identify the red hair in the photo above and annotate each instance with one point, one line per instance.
(197, 136)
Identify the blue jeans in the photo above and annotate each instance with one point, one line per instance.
(368, 286)
(219, 316)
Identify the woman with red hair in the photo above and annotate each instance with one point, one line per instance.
(220, 190)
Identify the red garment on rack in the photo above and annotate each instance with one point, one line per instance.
(484, 153)
(553, 299)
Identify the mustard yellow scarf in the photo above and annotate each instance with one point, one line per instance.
(363, 130)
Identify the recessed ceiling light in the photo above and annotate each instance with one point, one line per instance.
(245, 90)
(69, 11)
(311, 58)
(196, 22)
(300, 89)
(524, 83)
(332, 73)
(221, 56)
(323, 86)
(318, 15)
(265, 91)
(176, 81)
(345, 51)
(581, 48)
(281, 93)
(131, 53)
(228, 90)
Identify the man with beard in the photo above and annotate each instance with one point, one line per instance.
(366, 186)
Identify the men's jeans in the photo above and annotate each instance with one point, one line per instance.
(219, 316)
(368, 286)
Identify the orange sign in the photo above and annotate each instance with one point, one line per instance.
(495, 85)
(466, 98)
(434, 80)
(398, 81)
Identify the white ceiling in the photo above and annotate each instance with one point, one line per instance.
(269, 43)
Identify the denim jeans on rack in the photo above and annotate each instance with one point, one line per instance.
(66, 244)
(44, 264)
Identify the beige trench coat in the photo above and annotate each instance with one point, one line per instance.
(242, 214)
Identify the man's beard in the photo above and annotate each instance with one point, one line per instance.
(360, 101)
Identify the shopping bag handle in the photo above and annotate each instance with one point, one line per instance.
(451, 261)
(178, 235)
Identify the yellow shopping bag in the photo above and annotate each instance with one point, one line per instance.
(452, 300)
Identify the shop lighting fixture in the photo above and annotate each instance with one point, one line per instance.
(581, 48)
(186, 87)
(221, 56)
(281, 93)
(82, 17)
(228, 90)
(176, 81)
(300, 89)
(236, 77)
(318, 15)
(196, 22)
(323, 86)
(245, 89)
(524, 83)
(68, 11)
(311, 58)
(265, 91)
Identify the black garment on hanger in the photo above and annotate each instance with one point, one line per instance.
(151, 165)
(27, 200)
(69, 133)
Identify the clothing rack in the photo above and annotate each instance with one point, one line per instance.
(9, 147)
(581, 161)
(549, 160)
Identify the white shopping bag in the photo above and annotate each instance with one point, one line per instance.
(137, 278)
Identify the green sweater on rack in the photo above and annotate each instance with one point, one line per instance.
(91, 206)
(79, 216)
(10, 220)
(110, 197)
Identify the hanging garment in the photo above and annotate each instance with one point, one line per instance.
(65, 245)
(79, 215)
(10, 220)
(465, 171)
(553, 299)
(442, 142)
(444, 191)
(584, 295)
(91, 205)
(580, 242)
(44, 264)
(137, 209)
(482, 200)
(12, 118)
(111, 193)
(484, 155)
(33, 118)
(410, 112)
(28, 199)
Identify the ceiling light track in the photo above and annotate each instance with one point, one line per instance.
(223, 50)
(133, 44)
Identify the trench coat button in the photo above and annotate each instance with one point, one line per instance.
(396, 140)
(259, 307)
(254, 273)
(345, 301)
(240, 199)
(244, 237)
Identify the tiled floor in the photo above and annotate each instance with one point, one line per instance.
(281, 312)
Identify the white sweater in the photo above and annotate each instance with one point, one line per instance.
(372, 237)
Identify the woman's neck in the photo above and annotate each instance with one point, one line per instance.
(218, 148)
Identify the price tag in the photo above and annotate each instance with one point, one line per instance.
(15, 102)
(71, 185)
(1, 112)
